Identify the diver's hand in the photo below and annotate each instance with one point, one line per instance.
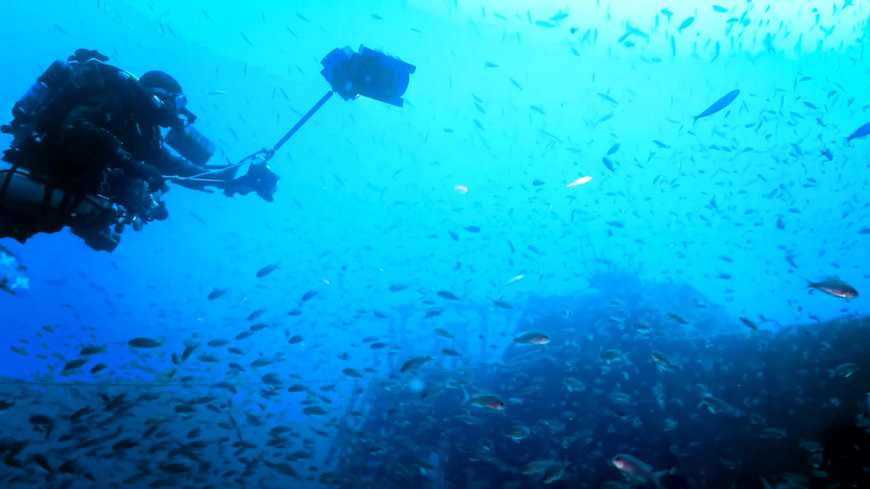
(140, 170)
(154, 178)
(259, 179)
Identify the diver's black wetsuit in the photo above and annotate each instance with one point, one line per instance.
(98, 135)
(105, 120)
(88, 153)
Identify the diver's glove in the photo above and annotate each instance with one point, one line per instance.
(140, 170)
(140, 202)
(259, 179)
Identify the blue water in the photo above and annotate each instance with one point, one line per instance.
(464, 189)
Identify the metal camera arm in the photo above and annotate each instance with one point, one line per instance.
(368, 73)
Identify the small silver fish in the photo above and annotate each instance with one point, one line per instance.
(636, 470)
(663, 363)
(532, 338)
(844, 370)
(13, 275)
(834, 287)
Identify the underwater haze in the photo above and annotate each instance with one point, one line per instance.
(601, 245)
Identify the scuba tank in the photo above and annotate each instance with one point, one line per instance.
(29, 207)
(191, 144)
(26, 111)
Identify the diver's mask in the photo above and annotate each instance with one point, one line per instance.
(171, 107)
(182, 136)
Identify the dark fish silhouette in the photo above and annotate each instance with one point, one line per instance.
(74, 364)
(860, 132)
(720, 104)
(446, 294)
(144, 343)
(685, 23)
(215, 293)
(266, 270)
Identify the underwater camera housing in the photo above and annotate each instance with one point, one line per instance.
(368, 73)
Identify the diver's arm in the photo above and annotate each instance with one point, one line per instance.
(181, 171)
(259, 178)
(81, 135)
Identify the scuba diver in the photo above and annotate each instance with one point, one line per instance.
(88, 148)
(88, 153)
